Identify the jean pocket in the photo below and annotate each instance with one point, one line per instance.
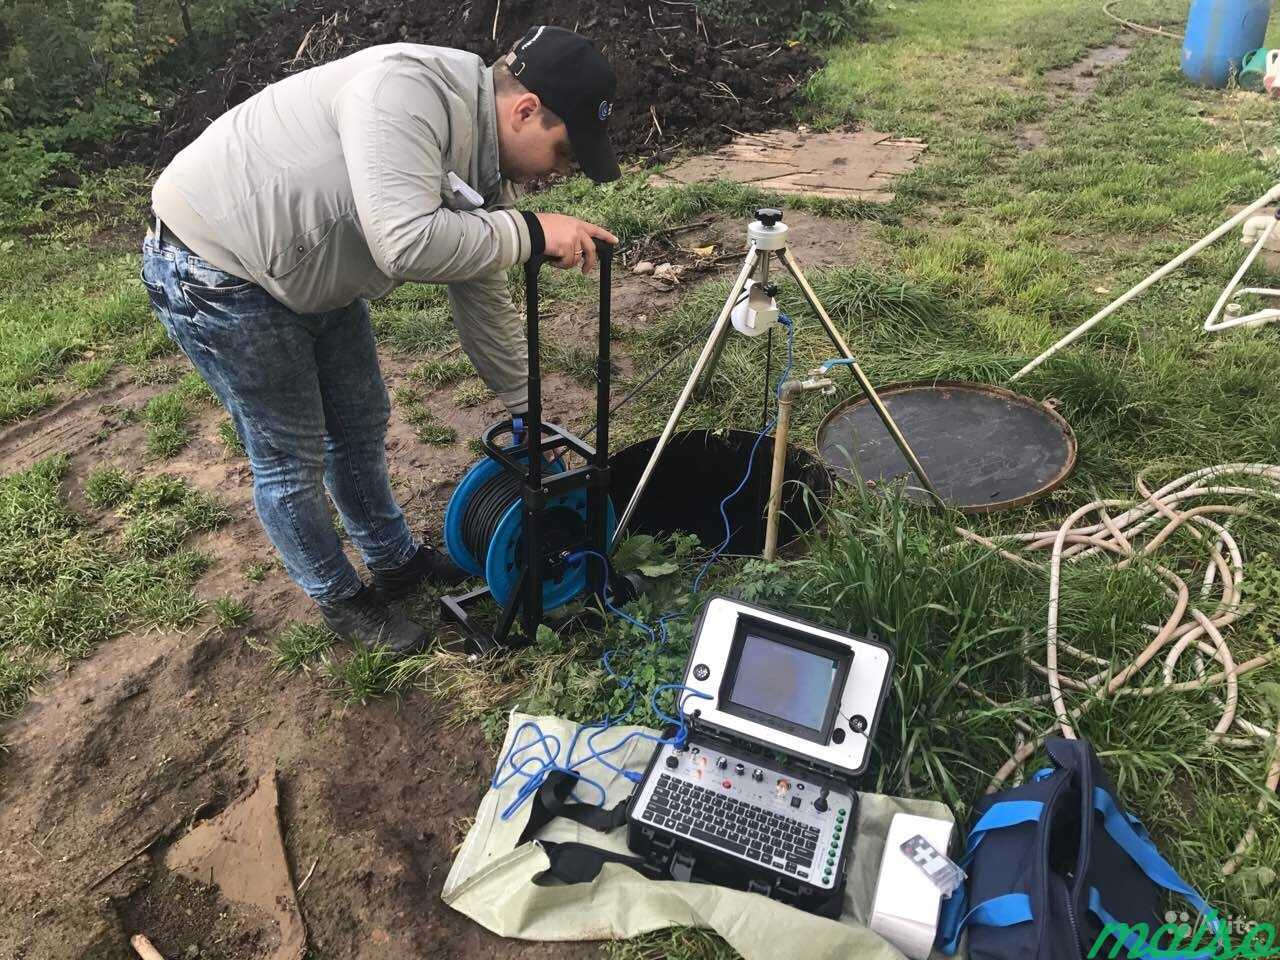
(218, 290)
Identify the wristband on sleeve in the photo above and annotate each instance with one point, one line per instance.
(537, 239)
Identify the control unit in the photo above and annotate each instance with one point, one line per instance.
(758, 794)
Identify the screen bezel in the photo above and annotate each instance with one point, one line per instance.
(787, 636)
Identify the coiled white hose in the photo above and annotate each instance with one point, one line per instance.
(1138, 532)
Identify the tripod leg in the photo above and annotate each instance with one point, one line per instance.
(704, 384)
(719, 330)
(863, 382)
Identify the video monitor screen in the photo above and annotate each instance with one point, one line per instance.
(784, 681)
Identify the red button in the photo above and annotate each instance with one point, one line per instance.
(726, 784)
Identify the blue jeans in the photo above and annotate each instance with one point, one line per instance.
(309, 403)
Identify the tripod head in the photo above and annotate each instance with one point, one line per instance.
(769, 216)
(767, 232)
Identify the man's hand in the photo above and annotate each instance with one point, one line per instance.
(570, 241)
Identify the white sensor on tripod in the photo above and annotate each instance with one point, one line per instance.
(756, 313)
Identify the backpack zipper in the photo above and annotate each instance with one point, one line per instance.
(1071, 916)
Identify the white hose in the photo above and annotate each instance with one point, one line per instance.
(1199, 626)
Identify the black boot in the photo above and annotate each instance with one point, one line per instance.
(427, 563)
(369, 619)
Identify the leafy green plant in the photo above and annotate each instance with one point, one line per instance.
(833, 21)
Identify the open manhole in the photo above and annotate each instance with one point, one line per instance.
(983, 447)
(698, 469)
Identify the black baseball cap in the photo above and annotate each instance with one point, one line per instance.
(576, 83)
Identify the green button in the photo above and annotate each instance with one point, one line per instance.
(831, 861)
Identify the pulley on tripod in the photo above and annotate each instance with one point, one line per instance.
(484, 531)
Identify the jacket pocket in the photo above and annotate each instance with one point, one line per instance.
(309, 246)
(324, 269)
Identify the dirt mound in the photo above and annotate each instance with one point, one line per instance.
(684, 80)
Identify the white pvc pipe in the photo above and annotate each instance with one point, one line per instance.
(1212, 323)
(1209, 239)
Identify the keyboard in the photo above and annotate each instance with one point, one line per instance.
(738, 827)
(760, 814)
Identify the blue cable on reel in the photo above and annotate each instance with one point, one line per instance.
(534, 779)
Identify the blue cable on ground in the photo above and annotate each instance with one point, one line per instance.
(533, 778)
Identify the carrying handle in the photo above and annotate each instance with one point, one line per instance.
(1000, 911)
(1144, 853)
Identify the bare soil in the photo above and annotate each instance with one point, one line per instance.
(1076, 82)
(156, 730)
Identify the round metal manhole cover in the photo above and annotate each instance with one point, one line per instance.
(983, 447)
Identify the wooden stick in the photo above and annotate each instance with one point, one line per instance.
(303, 885)
(152, 839)
(144, 948)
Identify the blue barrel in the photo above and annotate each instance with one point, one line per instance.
(1219, 34)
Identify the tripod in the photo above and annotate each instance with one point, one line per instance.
(767, 238)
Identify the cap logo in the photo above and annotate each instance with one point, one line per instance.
(606, 108)
(536, 34)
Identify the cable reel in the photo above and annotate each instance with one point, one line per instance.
(484, 532)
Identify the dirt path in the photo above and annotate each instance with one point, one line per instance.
(153, 727)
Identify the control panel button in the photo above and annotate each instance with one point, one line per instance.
(740, 769)
(837, 735)
(820, 804)
(795, 801)
(726, 784)
(858, 723)
(757, 774)
(673, 761)
(701, 671)
(721, 763)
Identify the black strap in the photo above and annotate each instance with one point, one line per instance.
(552, 800)
(582, 863)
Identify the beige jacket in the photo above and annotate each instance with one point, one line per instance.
(335, 183)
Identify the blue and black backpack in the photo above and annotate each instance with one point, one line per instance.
(1059, 871)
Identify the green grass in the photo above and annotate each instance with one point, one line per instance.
(472, 393)
(257, 572)
(444, 371)
(65, 586)
(167, 417)
(426, 424)
(231, 612)
(230, 437)
(300, 645)
(89, 373)
(107, 487)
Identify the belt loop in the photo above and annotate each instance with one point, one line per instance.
(159, 226)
